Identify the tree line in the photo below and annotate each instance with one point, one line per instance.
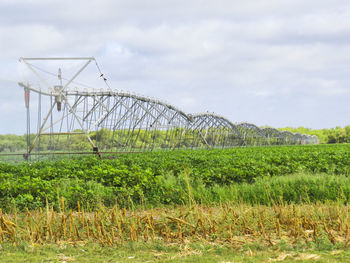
(18, 143)
(326, 136)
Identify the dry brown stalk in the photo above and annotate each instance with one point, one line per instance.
(261, 229)
(347, 231)
(230, 232)
(62, 204)
(87, 229)
(77, 232)
(330, 235)
(315, 228)
(226, 224)
(278, 227)
(180, 221)
(180, 231)
(112, 234)
(71, 223)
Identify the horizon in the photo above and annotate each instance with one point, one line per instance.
(261, 127)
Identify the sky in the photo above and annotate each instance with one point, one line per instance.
(269, 62)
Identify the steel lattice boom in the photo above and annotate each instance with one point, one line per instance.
(111, 121)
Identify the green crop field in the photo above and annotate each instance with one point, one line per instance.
(254, 175)
(247, 204)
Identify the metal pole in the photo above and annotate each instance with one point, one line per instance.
(38, 135)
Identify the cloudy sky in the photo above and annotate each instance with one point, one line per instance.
(269, 62)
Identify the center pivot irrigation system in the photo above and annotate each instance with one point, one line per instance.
(72, 118)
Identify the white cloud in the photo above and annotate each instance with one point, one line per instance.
(231, 57)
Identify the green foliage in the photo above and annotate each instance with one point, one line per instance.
(200, 251)
(12, 143)
(248, 174)
(334, 135)
(105, 138)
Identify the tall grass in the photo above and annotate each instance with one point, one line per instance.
(296, 188)
(184, 189)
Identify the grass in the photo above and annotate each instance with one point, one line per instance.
(178, 214)
(190, 233)
(296, 188)
(176, 190)
(159, 252)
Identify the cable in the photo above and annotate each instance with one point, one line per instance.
(55, 75)
(75, 82)
(102, 75)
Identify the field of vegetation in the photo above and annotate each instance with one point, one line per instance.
(252, 175)
(11, 143)
(248, 204)
(186, 233)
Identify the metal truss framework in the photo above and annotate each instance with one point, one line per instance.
(117, 121)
